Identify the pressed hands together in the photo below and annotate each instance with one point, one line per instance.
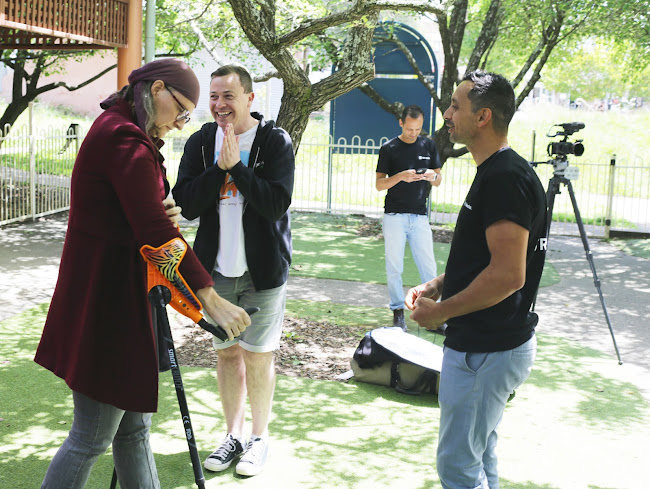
(233, 319)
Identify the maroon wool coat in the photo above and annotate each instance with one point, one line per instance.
(98, 336)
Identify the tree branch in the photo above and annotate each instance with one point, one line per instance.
(199, 15)
(52, 86)
(356, 11)
(259, 27)
(552, 40)
(266, 76)
(204, 42)
(432, 89)
(489, 32)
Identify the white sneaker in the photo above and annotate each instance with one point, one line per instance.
(254, 458)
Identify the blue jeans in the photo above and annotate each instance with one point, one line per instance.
(398, 229)
(95, 426)
(474, 389)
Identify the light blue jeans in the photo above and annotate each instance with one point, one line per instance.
(474, 389)
(398, 229)
(95, 426)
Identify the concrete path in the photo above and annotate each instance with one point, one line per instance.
(30, 253)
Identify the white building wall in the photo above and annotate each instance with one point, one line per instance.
(268, 95)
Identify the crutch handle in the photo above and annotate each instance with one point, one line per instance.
(217, 330)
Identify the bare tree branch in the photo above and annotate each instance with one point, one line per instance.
(52, 86)
(394, 108)
(428, 84)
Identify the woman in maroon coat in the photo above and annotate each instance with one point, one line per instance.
(98, 336)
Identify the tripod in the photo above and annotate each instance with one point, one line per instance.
(553, 190)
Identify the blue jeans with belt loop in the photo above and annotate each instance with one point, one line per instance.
(474, 390)
(398, 229)
(97, 425)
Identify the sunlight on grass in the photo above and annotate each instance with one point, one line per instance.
(368, 432)
(328, 246)
(634, 247)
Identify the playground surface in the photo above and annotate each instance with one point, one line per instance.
(30, 254)
(579, 422)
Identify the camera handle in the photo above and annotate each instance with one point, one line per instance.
(554, 189)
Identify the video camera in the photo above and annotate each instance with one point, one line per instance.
(559, 150)
(564, 147)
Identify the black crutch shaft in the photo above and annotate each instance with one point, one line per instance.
(159, 296)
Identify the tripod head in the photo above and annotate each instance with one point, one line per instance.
(561, 167)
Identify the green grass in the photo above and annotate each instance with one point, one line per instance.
(591, 221)
(633, 247)
(347, 315)
(576, 423)
(46, 115)
(327, 246)
(623, 133)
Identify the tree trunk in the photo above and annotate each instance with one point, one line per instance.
(293, 118)
(19, 102)
(12, 112)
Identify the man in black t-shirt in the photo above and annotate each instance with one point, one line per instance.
(408, 166)
(493, 271)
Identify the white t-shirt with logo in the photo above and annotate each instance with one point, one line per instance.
(231, 256)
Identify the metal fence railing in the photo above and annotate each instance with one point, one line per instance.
(337, 177)
(340, 178)
(35, 170)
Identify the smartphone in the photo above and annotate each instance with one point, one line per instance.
(420, 171)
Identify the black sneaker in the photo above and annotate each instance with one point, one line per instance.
(398, 319)
(222, 457)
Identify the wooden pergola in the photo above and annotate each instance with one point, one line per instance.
(75, 24)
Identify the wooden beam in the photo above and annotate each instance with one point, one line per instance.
(130, 57)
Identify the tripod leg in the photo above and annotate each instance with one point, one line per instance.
(157, 298)
(590, 259)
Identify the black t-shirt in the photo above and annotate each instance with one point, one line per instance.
(505, 187)
(396, 156)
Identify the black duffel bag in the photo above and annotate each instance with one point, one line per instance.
(391, 357)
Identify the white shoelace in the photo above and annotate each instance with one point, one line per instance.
(256, 449)
(227, 446)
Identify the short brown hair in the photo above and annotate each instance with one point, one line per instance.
(243, 74)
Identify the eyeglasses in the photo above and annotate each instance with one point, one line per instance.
(185, 114)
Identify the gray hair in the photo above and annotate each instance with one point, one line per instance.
(149, 107)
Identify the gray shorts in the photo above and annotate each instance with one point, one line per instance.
(263, 335)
